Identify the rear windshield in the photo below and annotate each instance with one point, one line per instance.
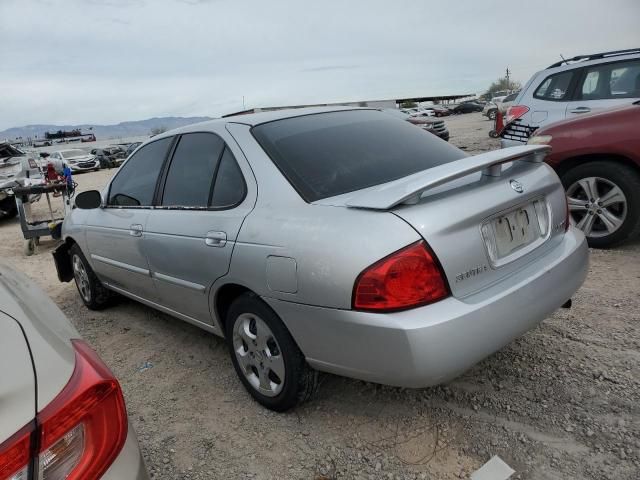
(328, 154)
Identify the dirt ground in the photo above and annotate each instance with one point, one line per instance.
(561, 402)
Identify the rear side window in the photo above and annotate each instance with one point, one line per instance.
(229, 189)
(611, 80)
(555, 87)
(328, 154)
(135, 183)
(192, 169)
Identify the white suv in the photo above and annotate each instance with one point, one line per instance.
(572, 87)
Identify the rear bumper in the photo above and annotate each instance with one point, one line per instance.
(432, 344)
(129, 464)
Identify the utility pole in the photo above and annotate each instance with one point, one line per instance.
(508, 82)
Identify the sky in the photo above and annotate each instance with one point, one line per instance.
(107, 61)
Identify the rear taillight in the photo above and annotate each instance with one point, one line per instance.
(514, 112)
(408, 278)
(15, 454)
(80, 433)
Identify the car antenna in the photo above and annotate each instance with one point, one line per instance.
(563, 59)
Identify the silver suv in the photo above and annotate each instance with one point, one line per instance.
(572, 87)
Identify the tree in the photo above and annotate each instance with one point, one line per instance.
(502, 84)
(158, 130)
(408, 104)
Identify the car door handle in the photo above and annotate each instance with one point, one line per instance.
(135, 230)
(216, 239)
(581, 110)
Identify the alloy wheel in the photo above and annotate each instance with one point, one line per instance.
(597, 206)
(258, 354)
(82, 278)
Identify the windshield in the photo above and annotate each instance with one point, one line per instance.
(329, 154)
(72, 153)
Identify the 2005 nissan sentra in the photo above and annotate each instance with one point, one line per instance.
(340, 240)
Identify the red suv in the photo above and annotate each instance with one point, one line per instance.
(597, 157)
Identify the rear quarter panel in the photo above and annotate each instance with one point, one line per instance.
(608, 133)
(330, 245)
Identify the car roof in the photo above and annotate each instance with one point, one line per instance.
(253, 119)
(588, 62)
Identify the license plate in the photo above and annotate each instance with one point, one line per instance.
(514, 230)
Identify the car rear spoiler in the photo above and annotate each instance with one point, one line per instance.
(408, 190)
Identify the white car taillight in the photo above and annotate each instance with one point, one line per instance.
(79, 434)
(514, 112)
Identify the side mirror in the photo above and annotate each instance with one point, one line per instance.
(89, 200)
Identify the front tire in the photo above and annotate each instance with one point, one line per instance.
(93, 294)
(266, 358)
(604, 201)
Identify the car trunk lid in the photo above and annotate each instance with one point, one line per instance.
(17, 385)
(484, 216)
(47, 330)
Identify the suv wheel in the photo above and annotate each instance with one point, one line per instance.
(266, 358)
(604, 201)
(93, 294)
(492, 114)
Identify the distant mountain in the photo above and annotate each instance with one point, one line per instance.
(104, 132)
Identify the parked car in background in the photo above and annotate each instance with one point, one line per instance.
(468, 107)
(337, 239)
(15, 167)
(111, 156)
(572, 88)
(597, 157)
(63, 413)
(430, 124)
(491, 108)
(78, 160)
(440, 110)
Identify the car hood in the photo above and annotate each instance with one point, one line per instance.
(81, 158)
(46, 329)
(17, 381)
(423, 120)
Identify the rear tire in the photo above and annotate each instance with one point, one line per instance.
(492, 114)
(266, 358)
(93, 294)
(623, 214)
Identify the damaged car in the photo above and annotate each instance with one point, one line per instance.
(16, 166)
(341, 240)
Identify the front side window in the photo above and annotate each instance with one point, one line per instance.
(555, 87)
(135, 183)
(192, 170)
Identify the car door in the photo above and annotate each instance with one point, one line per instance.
(115, 232)
(606, 85)
(551, 96)
(203, 200)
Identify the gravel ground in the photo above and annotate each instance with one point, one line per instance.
(561, 402)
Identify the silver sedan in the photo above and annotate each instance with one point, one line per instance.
(336, 240)
(63, 413)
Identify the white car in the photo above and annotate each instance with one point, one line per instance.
(78, 160)
(62, 412)
(570, 88)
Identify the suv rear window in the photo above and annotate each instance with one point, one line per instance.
(555, 87)
(329, 154)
